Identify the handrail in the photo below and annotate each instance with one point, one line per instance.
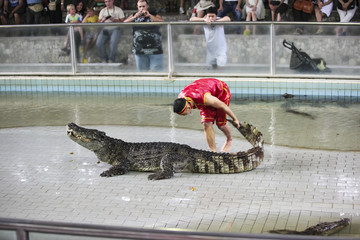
(181, 23)
(24, 227)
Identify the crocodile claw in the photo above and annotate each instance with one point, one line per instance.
(159, 176)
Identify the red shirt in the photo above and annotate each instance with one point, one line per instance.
(197, 90)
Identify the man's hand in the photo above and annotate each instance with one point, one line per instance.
(207, 19)
(146, 13)
(237, 123)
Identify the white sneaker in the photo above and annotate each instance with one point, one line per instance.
(181, 10)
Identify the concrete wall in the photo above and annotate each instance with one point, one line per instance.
(189, 48)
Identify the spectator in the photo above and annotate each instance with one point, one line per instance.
(215, 38)
(201, 6)
(80, 10)
(254, 10)
(230, 6)
(13, 9)
(55, 13)
(109, 14)
(147, 41)
(2, 16)
(322, 9)
(199, 11)
(181, 9)
(73, 17)
(302, 10)
(346, 10)
(91, 33)
(278, 7)
(33, 11)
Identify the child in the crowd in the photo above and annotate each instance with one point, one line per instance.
(215, 38)
(72, 17)
(254, 10)
(91, 33)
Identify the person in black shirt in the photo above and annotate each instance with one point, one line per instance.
(147, 40)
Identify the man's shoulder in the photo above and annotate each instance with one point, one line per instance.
(117, 9)
(102, 11)
(153, 11)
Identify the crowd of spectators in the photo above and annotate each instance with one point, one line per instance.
(55, 11)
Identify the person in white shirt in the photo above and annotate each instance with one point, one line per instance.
(216, 47)
(109, 14)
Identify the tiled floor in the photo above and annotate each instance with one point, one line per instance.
(46, 176)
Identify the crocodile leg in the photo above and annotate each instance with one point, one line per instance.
(116, 170)
(167, 168)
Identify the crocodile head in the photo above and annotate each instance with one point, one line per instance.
(91, 139)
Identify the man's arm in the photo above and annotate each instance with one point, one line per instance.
(196, 19)
(220, 5)
(216, 103)
(224, 19)
(130, 18)
(238, 6)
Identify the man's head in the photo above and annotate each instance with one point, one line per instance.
(142, 5)
(211, 13)
(109, 3)
(181, 106)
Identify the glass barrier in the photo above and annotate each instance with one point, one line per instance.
(221, 49)
(228, 49)
(123, 49)
(332, 47)
(8, 235)
(33, 49)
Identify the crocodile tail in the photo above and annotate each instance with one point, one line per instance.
(234, 162)
(251, 133)
(255, 138)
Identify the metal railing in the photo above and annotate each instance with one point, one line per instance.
(24, 229)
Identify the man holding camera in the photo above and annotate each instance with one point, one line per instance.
(109, 14)
(147, 40)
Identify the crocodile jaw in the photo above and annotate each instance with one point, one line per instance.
(75, 136)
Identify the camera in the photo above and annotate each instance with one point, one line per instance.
(107, 17)
(142, 14)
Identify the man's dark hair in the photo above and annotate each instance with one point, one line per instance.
(179, 104)
(144, 1)
(211, 10)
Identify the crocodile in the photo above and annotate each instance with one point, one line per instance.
(321, 229)
(165, 158)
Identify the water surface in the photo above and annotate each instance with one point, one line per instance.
(297, 122)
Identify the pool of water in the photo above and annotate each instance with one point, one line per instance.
(300, 122)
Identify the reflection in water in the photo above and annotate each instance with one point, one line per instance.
(291, 122)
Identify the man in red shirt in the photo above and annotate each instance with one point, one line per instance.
(212, 97)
